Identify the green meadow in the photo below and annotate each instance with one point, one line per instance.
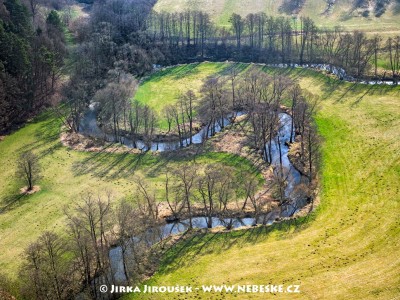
(67, 175)
(348, 247)
(166, 86)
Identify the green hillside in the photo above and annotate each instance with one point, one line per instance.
(349, 249)
(341, 14)
(66, 175)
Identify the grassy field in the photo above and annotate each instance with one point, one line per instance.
(342, 13)
(164, 87)
(66, 174)
(349, 248)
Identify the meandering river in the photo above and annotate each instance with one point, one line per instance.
(155, 234)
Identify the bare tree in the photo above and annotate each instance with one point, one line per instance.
(186, 175)
(393, 47)
(376, 44)
(146, 200)
(233, 74)
(114, 101)
(89, 223)
(135, 121)
(207, 187)
(249, 184)
(280, 180)
(187, 102)
(173, 196)
(238, 27)
(84, 252)
(214, 106)
(128, 231)
(46, 272)
(216, 188)
(28, 168)
(149, 125)
(174, 111)
(295, 93)
(169, 115)
(313, 149)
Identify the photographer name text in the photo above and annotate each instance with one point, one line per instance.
(248, 288)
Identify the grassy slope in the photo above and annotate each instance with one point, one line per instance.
(349, 249)
(66, 175)
(221, 10)
(165, 87)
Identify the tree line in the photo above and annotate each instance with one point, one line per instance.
(77, 261)
(261, 96)
(129, 37)
(262, 38)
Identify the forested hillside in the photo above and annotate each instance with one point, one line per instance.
(32, 52)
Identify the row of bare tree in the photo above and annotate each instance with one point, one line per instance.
(181, 116)
(260, 96)
(132, 38)
(78, 261)
(258, 37)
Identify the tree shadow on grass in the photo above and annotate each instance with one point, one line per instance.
(228, 67)
(47, 136)
(176, 253)
(115, 165)
(356, 92)
(12, 201)
(370, 89)
(108, 164)
(200, 243)
(159, 75)
(186, 70)
(175, 72)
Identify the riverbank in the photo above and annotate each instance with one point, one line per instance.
(350, 247)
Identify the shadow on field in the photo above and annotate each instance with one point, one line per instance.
(46, 136)
(175, 73)
(226, 70)
(112, 165)
(117, 165)
(199, 242)
(185, 70)
(12, 201)
(369, 90)
(108, 164)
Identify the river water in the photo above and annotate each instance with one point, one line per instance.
(339, 72)
(158, 233)
(279, 152)
(89, 126)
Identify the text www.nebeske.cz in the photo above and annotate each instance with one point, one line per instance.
(249, 288)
